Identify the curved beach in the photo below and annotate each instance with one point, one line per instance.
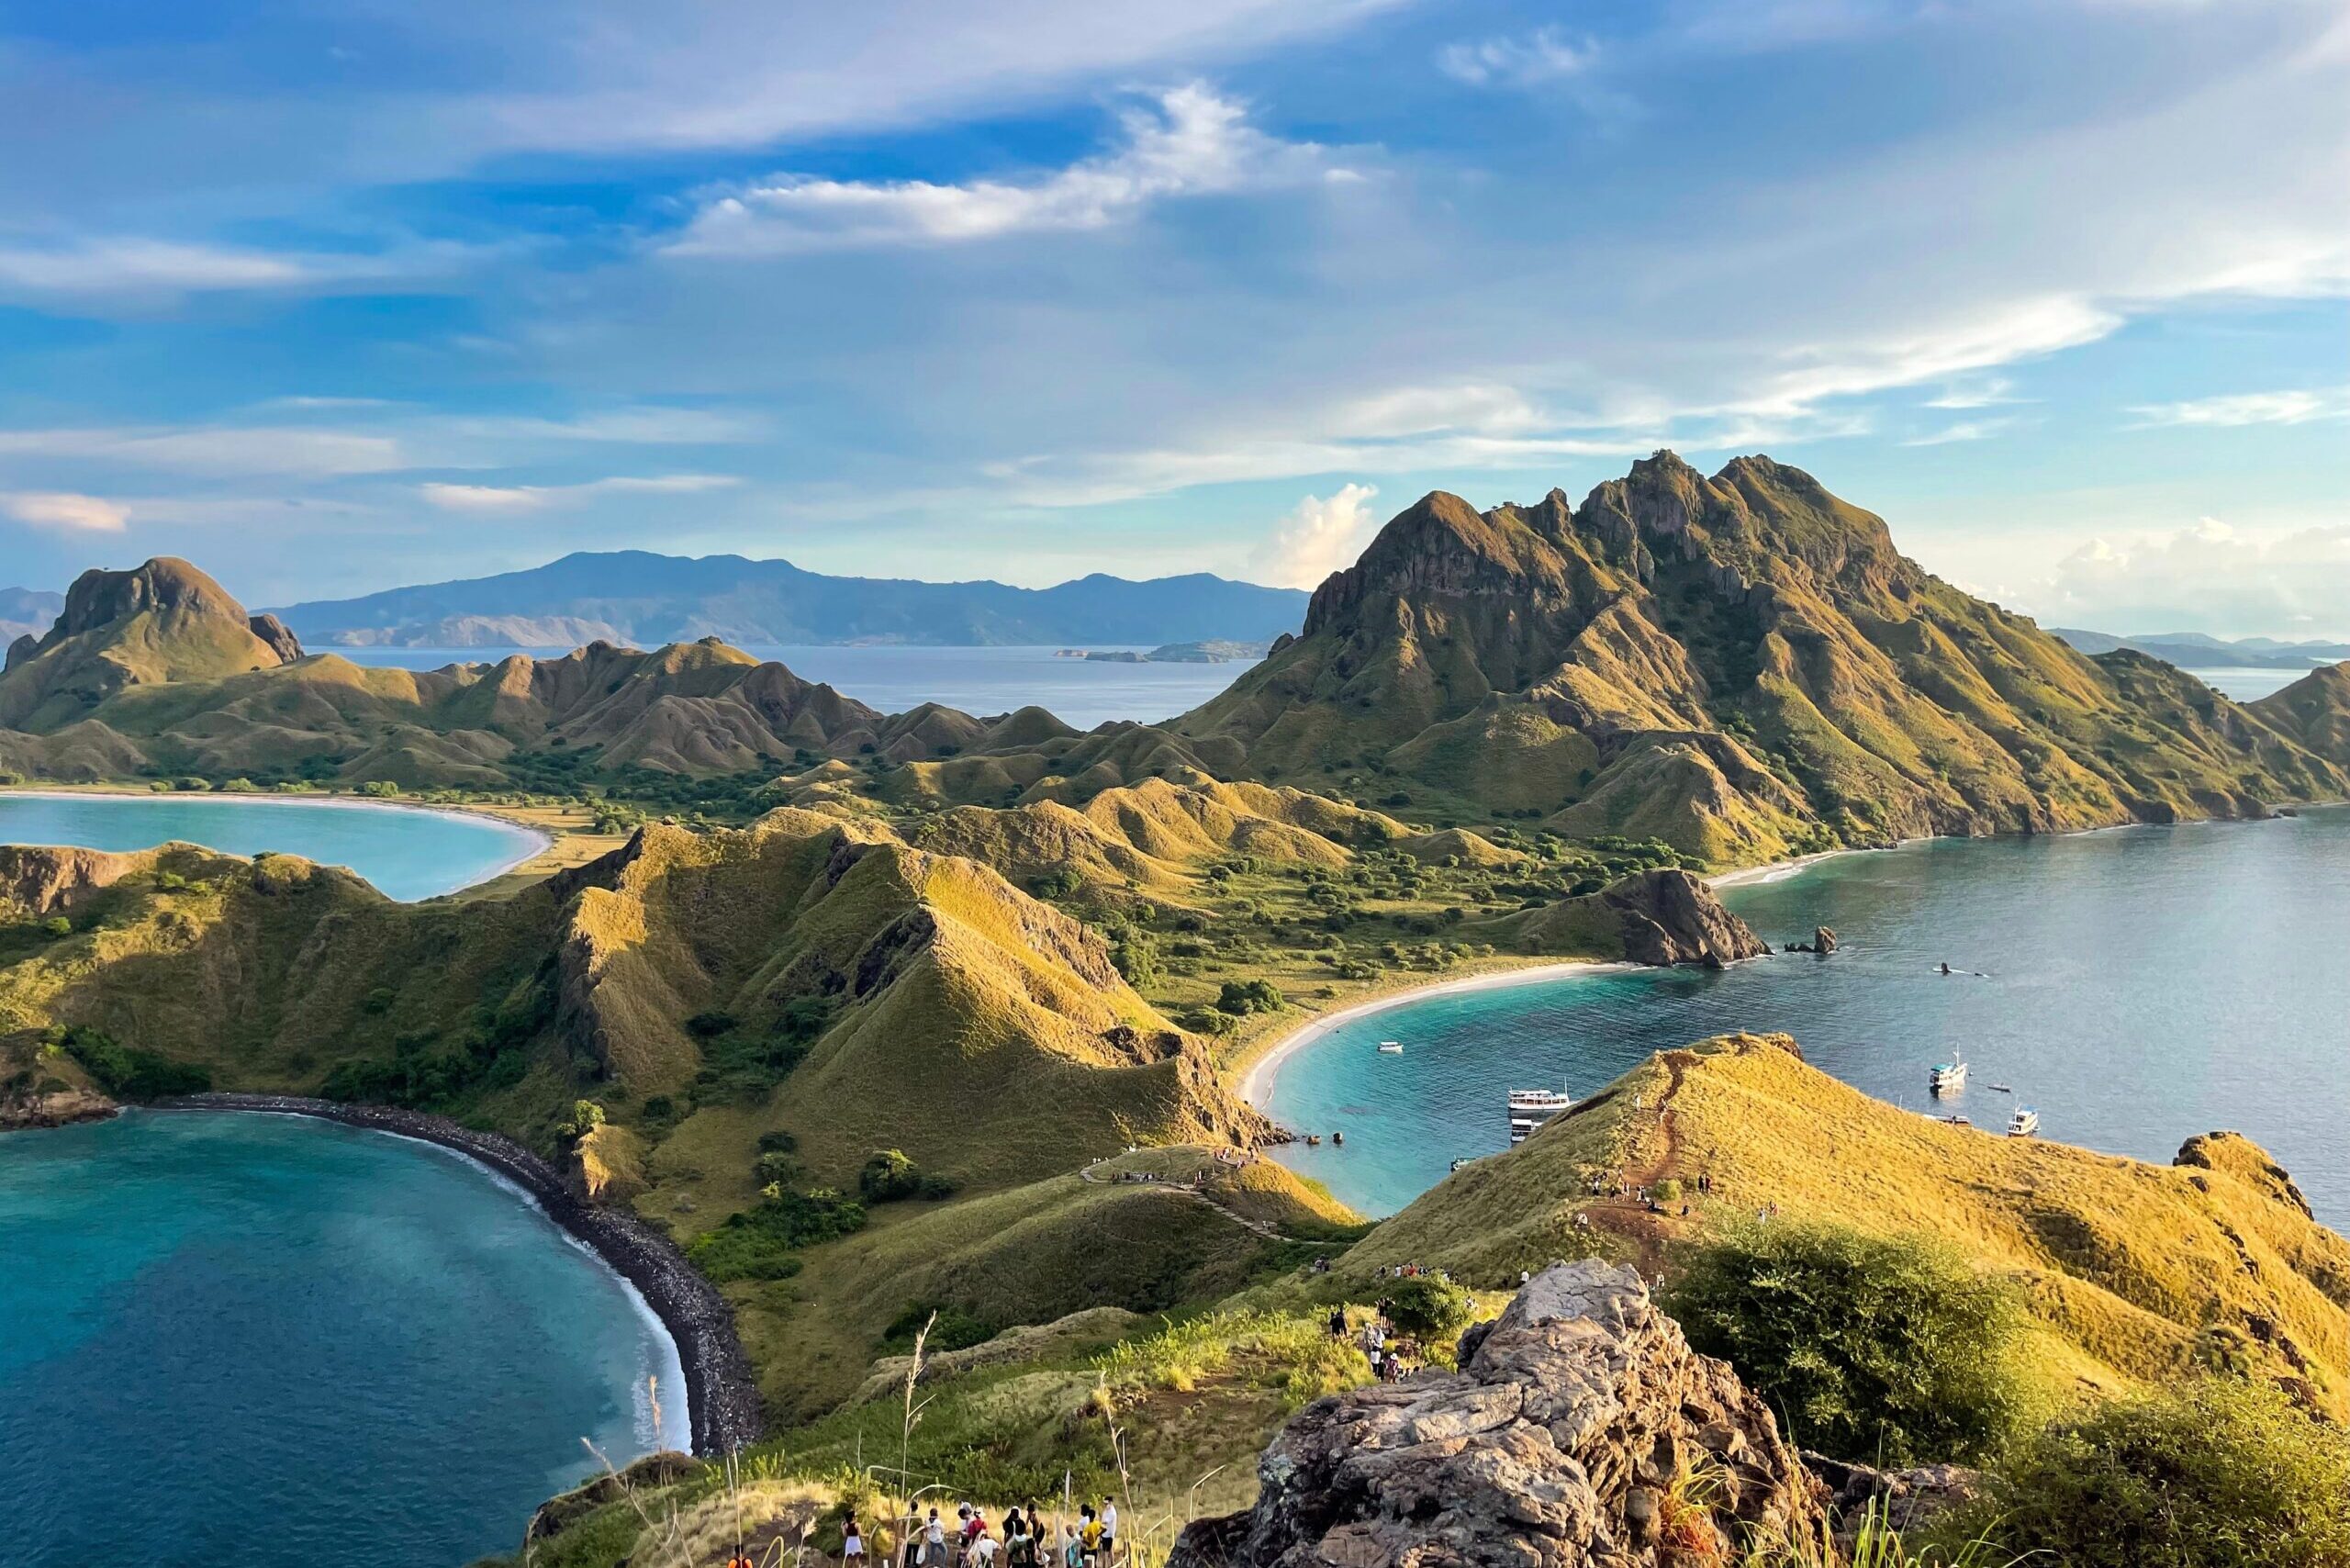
(1257, 1080)
(724, 1399)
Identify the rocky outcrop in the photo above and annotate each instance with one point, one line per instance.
(277, 635)
(38, 881)
(54, 1105)
(1566, 1439)
(1823, 941)
(24, 647)
(1670, 917)
(100, 598)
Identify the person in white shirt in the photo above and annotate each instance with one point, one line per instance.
(1109, 1532)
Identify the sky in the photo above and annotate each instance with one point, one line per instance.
(328, 297)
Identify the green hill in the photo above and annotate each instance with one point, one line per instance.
(1743, 664)
(2133, 1273)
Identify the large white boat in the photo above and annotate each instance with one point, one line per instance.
(1530, 1108)
(2024, 1122)
(1947, 1076)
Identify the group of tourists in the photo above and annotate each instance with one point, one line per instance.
(1381, 1346)
(1026, 1542)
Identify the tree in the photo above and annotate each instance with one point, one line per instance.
(1240, 998)
(1888, 1350)
(1427, 1307)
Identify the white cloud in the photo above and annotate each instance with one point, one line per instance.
(2207, 576)
(292, 450)
(2296, 408)
(100, 270)
(64, 510)
(1983, 392)
(1320, 536)
(1527, 60)
(532, 498)
(1194, 143)
(1964, 430)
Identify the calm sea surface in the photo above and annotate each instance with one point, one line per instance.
(270, 1342)
(2137, 986)
(407, 852)
(1081, 692)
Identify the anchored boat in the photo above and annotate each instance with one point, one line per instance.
(1947, 1076)
(2024, 1122)
(1530, 1108)
(1391, 1047)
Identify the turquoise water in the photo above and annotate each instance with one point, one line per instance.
(408, 853)
(272, 1342)
(2138, 987)
(1079, 692)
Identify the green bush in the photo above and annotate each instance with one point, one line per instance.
(1241, 997)
(1886, 1351)
(125, 1071)
(1429, 1308)
(889, 1175)
(2216, 1475)
(757, 1244)
(56, 925)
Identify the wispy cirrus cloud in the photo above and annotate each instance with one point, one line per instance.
(291, 451)
(97, 270)
(2238, 409)
(1964, 430)
(1191, 141)
(1525, 60)
(497, 498)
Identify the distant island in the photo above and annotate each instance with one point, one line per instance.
(640, 598)
(1215, 651)
(2193, 650)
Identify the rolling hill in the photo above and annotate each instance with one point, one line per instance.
(635, 596)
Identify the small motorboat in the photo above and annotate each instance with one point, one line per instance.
(1958, 1121)
(1391, 1047)
(1998, 1089)
(2025, 1122)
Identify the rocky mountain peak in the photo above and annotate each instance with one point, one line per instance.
(100, 598)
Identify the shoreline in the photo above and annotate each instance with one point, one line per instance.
(1255, 1083)
(722, 1399)
(538, 839)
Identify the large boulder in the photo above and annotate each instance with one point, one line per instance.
(1579, 1429)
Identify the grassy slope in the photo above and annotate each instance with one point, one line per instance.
(2127, 1266)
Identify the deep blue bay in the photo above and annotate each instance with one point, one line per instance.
(274, 1342)
(2138, 986)
(408, 853)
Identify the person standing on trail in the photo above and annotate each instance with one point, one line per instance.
(852, 1543)
(1109, 1530)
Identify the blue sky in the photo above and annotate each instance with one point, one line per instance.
(331, 297)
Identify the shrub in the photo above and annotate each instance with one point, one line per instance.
(710, 1026)
(889, 1176)
(1886, 1351)
(125, 1071)
(382, 789)
(757, 1244)
(2216, 1475)
(1242, 997)
(1427, 1307)
(56, 925)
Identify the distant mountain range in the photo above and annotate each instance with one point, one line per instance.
(2193, 650)
(639, 597)
(27, 612)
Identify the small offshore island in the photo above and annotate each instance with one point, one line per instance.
(899, 1050)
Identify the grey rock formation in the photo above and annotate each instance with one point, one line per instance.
(273, 632)
(1670, 917)
(1558, 1444)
